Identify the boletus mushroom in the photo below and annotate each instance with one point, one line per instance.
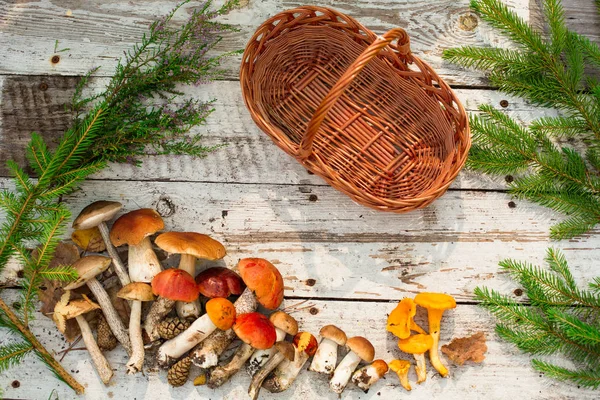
(64, 310)
(219, 282)
(305, 346)
(284, 324)
(359, 349)
(366, 376)
(191, 246)
(417, 345)
(170, 285)
(96, 215)
(257, 333)
(220, 313)
(136, 292)
(436, 304)
(264, 284)
(134, 229)
(283, 351)
(325, 358)
(88, 268)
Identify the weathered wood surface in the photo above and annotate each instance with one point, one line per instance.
(504, 374)
(314, 232)
(38, 104)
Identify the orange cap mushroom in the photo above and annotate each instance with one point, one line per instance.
(175, 284)
(261, 277)
(221, 312)
(256, 330)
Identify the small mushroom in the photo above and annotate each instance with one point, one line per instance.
(256, 332)
(170, 285)
(400, 321)
(436, 304)
(283, 351)
(134, 229)
(417, 345)
(359, 349)
(65, 310)
(264, 284)
(220, 313)
(326, 357)
(366, 376)
(401, 368)
(96, 215)
(190, 245)
(219, 282)
(136, 292)
(305, 346)
(88, 268)
(284, 324)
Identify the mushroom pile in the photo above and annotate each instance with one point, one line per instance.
(400, 323)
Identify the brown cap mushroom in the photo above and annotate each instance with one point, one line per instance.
(417, 345)
(219, 282)
(360, 349)
(284, 322)
(326, 358)
(136, 291)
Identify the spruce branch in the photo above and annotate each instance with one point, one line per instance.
(551, 70)
(560, 319)
(142, 108)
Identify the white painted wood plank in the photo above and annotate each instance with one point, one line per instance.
(350, 251)
(97, 33)
(249, 155)
(503, 364)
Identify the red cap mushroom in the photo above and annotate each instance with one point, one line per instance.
(219, 282)
(262, 278)
(256, 330)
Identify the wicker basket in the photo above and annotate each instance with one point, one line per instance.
(374, 121)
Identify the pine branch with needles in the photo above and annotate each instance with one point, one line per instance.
(142, 108)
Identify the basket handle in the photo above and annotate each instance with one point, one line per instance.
(346, 79)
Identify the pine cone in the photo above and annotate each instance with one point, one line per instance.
(178, 373)
(106, 339)
(171, 327)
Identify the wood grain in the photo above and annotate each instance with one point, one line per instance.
(487, 380)
(37, 104)
(351, 252)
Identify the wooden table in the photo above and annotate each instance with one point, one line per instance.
(345, 264)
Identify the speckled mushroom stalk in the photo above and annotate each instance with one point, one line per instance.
(96, 215)
(256, 332)
(220, 313)
(305, 346)
(65, 310)
(325, 358)
(191, 246)
(366, 376)
(170, 285)
(136, 292)
(284, 324)
(88, 268)
(359, 349)
(283, 351)
(265, 281)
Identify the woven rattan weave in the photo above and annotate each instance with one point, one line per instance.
(366, 115)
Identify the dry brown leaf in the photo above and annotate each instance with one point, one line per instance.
(464, 349)
(89, 240)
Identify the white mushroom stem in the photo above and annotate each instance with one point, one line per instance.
(158, 311)
(366, 376)
(260, 357)
(102, 366)
(143, 263)
(259, 377)
(343, 372)
(207, 353)
(111, 315)
(420, 368)
(285, 373)
(112, 252)
(221, 374)
(136, 361)
(325, 358)
(193, 308)
(174, 348)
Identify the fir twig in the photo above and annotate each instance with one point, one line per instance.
(561, 318)
(548, 70)
(141, 108)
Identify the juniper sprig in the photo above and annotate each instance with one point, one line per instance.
(141, 109)
(553, 69)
